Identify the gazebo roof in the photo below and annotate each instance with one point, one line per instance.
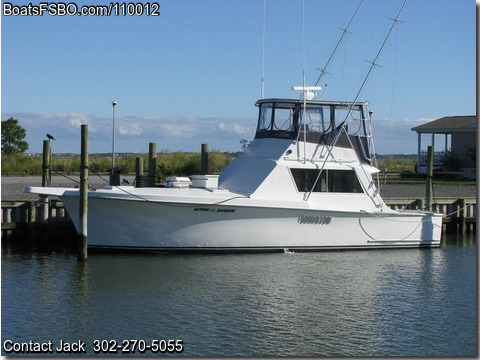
(448, 125)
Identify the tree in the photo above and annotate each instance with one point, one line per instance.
(13, 136)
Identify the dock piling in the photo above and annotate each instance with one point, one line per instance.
(152, 163)
(462, 227)
(46, 164)
(83, 203)
(204, 159)
(46, 179)
(429, 179)
(139, 172)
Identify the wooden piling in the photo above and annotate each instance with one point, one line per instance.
(46, 179)
(462, 227)
(139, 178)
(83, 201)
(204, 159)
(31, 218)
(429, 179)
(46, 164)
(152, 163)
(139, 166)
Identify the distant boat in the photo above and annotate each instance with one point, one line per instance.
(304, 183)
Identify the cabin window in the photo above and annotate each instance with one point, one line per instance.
(340, 181)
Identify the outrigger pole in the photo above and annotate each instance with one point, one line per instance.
(345, 31)
(373, 64)
(304, 88)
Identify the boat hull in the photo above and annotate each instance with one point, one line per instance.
(145, 225)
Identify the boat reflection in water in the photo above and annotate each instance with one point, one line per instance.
(351, 303)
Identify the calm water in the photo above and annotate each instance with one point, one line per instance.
(353, 303)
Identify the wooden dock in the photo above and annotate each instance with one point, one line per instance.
(33, 219)
(27, 222)
(459, 214)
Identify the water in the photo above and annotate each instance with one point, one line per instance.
(418, 302)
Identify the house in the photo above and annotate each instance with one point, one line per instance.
(457, 139)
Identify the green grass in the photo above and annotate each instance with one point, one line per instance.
(168, 164)
(395, 164)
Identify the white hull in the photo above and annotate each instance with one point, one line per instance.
(123, 224)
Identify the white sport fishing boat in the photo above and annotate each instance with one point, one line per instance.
(304, 183)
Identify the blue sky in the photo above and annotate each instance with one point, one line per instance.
(193, 74)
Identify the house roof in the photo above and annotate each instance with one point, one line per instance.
(448, 125)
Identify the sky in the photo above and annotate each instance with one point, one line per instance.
(193, 74)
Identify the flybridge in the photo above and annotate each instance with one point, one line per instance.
(322, 122)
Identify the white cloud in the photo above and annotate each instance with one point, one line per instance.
(75, 122)
(171, 132)
(131, 129)
(183, 133)
(235, 128)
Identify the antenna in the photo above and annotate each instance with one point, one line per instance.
(307, 91)
(114, 103)
(303, 43)
(345, 31)
(304, 85)
(263, 50)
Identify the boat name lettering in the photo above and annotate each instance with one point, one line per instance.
(214, 210)
(315, 219)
